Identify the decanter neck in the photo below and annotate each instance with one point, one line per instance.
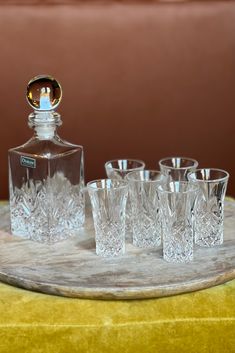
(44, 123)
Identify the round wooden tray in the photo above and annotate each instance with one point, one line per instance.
(72, 268)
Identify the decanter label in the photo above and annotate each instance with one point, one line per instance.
(27, 162)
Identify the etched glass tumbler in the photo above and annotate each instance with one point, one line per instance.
(177, 168)
(108, 201)
(209, 208)
(146, 221)
(118, 169)
(177, 201)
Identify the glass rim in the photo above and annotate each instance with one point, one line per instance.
(121, 184)
(142, 163)
(192, 187)
(195, 162)
(156, 172)
(225, 177)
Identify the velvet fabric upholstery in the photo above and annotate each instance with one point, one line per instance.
(202, 321)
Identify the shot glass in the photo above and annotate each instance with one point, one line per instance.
(118, 169)
(177, 168)
(108, 201)
(177, 201)
(146, 220)
(209, 207)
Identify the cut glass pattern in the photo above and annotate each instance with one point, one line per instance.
(47, 211)
(208, 221)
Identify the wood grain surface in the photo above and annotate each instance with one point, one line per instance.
(72, 269)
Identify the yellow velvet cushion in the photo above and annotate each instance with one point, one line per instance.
(202, 321)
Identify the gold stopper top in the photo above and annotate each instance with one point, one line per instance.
(44, 93)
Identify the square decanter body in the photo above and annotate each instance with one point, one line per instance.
(46, 181)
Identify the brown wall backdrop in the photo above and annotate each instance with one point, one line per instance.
(142, 80)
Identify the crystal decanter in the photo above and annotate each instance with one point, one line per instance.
(46, 174)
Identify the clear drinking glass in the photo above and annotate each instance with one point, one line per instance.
(108, 201)
(146, 221)
(209, 208)
(118, 169)
(177, 200)
(177, 168)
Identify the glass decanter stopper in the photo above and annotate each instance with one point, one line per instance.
(46, 174)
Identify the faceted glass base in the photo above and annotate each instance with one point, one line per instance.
(49, 237)
(110, 244)
(48, 211)
(208, 227)
(209, 241)
(109, 251)
(178, 243)
(181, 257)
(148, 240)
